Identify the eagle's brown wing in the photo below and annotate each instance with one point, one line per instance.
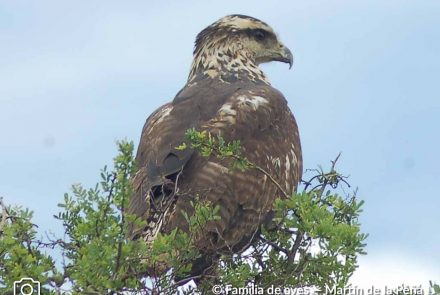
(259, 117)
(158, 161)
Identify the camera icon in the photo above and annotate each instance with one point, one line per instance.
(26, 286)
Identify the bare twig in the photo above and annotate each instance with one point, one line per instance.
(285, 195)
(292, 253)
(275, 246)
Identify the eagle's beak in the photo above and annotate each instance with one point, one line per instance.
(286, 55)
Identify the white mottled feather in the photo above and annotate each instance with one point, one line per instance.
(163, 114)
(227, 109)
(253, 101)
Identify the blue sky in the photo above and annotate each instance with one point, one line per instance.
(76, 78)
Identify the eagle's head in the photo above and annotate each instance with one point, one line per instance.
(233, 47)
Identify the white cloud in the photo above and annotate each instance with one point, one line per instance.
(391, 269)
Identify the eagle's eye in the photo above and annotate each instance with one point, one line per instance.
(259, 35)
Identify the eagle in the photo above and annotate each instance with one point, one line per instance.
(226, 95)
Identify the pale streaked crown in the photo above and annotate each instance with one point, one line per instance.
(240, 22)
